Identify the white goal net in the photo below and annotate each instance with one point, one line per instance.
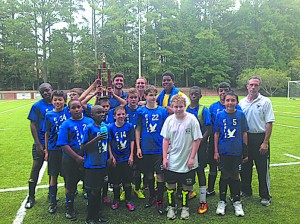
(293, 90)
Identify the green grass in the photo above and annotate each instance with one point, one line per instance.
(16, 161)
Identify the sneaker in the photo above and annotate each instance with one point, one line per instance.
(122, 196)
(106, 200)
(84, 193)
(90, 221)
(238, 208)
(52, 208)
(130, 206)
(221, 208)
(115, 205)
(102, 218)
(185, 214)
(171, 212)
(70, 214)
(150, 202)
(160, 207)
(30, 202)
(210, 193)
(192, 194)
(140, 194)
(265, 202)
(202, 208)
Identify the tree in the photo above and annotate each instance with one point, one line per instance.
(272, 81)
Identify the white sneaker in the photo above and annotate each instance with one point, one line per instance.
(221, 208)
(185, 214)
(171, 214)
(265, 202)
(238, 208)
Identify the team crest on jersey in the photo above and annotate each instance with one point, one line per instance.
(152, 128)
(122, 145)
(188, 131)
(230, 134)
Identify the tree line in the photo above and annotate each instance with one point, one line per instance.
(203, 42)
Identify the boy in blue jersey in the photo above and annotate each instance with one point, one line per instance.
(121, 138)
(230, 140)
(202, 114)
(95, 148)
(149, 145)
(69, 139)
(53, 154)
(214, 109)
(37, 117)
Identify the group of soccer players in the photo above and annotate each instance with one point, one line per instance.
(167, 137)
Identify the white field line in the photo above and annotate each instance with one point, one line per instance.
(292, 156)
(288, 126)
(15, 108)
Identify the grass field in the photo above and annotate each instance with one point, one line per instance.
(16, 160)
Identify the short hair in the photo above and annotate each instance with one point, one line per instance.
(132, 91)
(118, 75)
(95, 107)
(118, 108)
(168, 73)
(45, 85)
(77, 90)
(231, 93)
(59, 93)
(149, 89)
(71, 101)
(195, 88)
(178, 99)
(223, 85)
(143, 79)
(255, 77)
(100, 100)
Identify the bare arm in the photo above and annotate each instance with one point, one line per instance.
(264, 147)
(166, 143)
(34, 133)
(138, 142)
(195, 148)
(208, 131)
(70, 152)
(216, 144)
(130, 161)
(94, 140)
(88, 90)
(46, 146)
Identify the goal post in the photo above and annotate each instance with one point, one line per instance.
(293, 91)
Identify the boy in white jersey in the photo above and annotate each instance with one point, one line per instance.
(182, 136)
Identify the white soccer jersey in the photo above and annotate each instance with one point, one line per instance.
(258, 113)
(182, 134)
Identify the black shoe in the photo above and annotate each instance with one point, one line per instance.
(160, 207)
(90, 221)
(103, 218)
(52, 208)
(30, 202)
(150, 202)
(70, 214)
(210, 193)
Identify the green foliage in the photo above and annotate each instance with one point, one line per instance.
(272, 80)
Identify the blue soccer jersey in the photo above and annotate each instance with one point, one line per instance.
(86, 113)
(231, 127)
(53, 121)
(120, 139)
(114, 102)
(217, 107)
(71, 133)
(96, 155)
(131, 116)
(37, 114)
(206, 119)
(151, 121)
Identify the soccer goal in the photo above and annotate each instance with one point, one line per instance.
(293, 90)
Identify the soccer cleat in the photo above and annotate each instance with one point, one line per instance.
(202, 208)
(221, 208)
(115, 205)
(52, 209)
(122, 196)
(90, 222)
(139, 193)
(106, 200)
(265, 202)
(171, 214)
(30, 202)
(185, 214)
(70, 214)
(238, 208)
(160, 207)
(192, 194)
(130, 206)
(210, 193)
(150, 202)
(102, 218)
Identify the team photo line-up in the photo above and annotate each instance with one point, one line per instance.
(159, 139)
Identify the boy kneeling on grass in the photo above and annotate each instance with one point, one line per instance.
(230, 141)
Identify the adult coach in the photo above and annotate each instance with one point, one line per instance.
(118, 83)
(37, 117)
(260, 116)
